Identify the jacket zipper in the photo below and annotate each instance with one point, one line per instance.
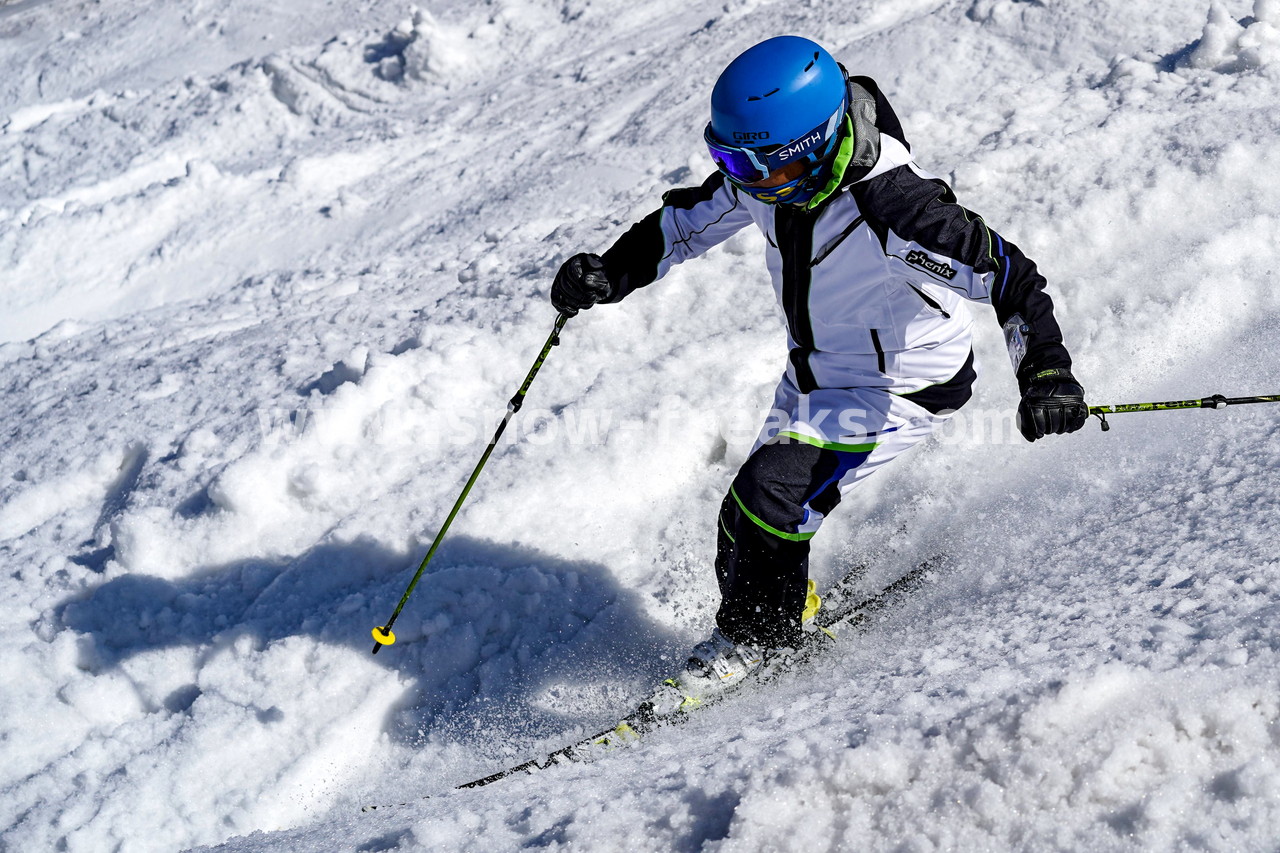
(929, 300)
(794, 231)
(840, 238)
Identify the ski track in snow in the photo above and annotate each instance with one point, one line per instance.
(270, 276)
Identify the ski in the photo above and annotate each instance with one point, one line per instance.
(843, 610)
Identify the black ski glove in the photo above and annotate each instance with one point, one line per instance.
(1052, 402)
(581, 283)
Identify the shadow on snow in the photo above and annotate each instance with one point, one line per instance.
(502, 644)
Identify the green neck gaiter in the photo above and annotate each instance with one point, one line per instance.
(838, 166)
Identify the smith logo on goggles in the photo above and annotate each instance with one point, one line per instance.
(748, 165)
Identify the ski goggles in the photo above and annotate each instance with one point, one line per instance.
(748, 165)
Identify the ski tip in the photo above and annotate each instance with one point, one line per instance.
(384, 638)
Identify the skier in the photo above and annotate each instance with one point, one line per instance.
(871, 258)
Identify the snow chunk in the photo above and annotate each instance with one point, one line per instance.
(86, 482)
(419, 48)
(1233, 47)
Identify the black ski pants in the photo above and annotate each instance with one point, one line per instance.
(762, 551)
(762, 563)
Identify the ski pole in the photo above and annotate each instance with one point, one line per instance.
(1217, 401)
(383, 635)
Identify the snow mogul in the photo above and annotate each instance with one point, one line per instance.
(872, 259)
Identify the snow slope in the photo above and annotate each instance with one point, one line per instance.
(271, 273)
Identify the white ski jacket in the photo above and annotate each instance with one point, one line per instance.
(873, 278)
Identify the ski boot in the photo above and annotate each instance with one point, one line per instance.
(715, 667)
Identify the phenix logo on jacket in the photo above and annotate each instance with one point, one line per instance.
(873, 277)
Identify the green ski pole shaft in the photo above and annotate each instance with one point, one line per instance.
(382, 635)
(1217, 401)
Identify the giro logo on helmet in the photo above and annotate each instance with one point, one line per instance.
(750, 136)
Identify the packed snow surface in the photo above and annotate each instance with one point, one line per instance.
(271, 272)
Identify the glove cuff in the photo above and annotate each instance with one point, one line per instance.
(1049, 374)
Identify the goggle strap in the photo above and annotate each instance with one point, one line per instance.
(765, 164)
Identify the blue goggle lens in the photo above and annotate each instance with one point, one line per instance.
(741, 164)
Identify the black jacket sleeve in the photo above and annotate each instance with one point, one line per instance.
(924, 211)
(690, 221)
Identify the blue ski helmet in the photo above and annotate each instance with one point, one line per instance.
(780, 101)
